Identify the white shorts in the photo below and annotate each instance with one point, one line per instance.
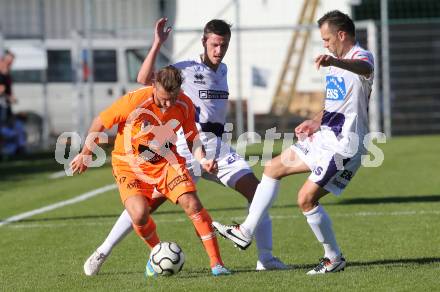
(329, 170)
(231, 166)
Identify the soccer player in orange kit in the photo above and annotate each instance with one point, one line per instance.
(145, 157)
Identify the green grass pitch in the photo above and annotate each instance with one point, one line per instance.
(386, 222)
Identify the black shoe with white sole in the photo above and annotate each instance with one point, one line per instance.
(233, 233)
(328, 266)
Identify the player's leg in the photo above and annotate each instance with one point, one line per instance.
(321, 225)
(327, 177)
(137, 207)
(234, 172)
(247, 186)
(202, 222)
(285, 164)
(119, 231)
(180, 189)
(123, 226)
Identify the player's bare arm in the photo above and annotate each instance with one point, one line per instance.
(161, 34)
(209, 165)
(359, 67)
(308, 127)
(81, 161)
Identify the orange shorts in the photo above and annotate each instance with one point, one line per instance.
(170, 180)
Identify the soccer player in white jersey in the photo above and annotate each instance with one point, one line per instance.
(329, 146)
(205, 82)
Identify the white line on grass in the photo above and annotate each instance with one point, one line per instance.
(109, 221)
(57, 174)
(74, 200)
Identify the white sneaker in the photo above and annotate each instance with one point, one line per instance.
(233, 233)
(328, 266)
(94, 263)
(273, 263)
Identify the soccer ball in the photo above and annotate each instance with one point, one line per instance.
(167, 258)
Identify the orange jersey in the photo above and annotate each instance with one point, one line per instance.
(146, 135)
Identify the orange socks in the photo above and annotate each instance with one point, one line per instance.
(202, 223)
(147, 232)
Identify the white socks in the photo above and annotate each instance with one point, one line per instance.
(321, 226)
(121, 228)
(263, 238)
(265, 195)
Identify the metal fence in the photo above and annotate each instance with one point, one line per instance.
(414, 77)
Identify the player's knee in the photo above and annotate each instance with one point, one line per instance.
(271, 170)
(138, 209)
(139, 217)
(190, 203)
(305, 201)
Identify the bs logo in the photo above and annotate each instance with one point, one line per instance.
(335, 89)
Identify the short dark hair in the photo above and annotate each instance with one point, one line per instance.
(169, 78)
(217, 26)
(338, 20)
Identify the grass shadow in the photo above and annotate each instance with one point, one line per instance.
(385, 262)
(354, 201)
(389, 200)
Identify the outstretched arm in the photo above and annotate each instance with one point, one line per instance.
(145, 74)
(81, 161)
(359, 67)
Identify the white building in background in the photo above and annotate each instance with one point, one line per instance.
(122, 32)
(57, 33)
(265, 39)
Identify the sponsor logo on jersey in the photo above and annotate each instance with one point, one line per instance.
(198, 79)
(335, 89)
(178, 180)
(213, 94)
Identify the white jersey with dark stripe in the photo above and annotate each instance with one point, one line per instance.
(346, 103)
(207, 89)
